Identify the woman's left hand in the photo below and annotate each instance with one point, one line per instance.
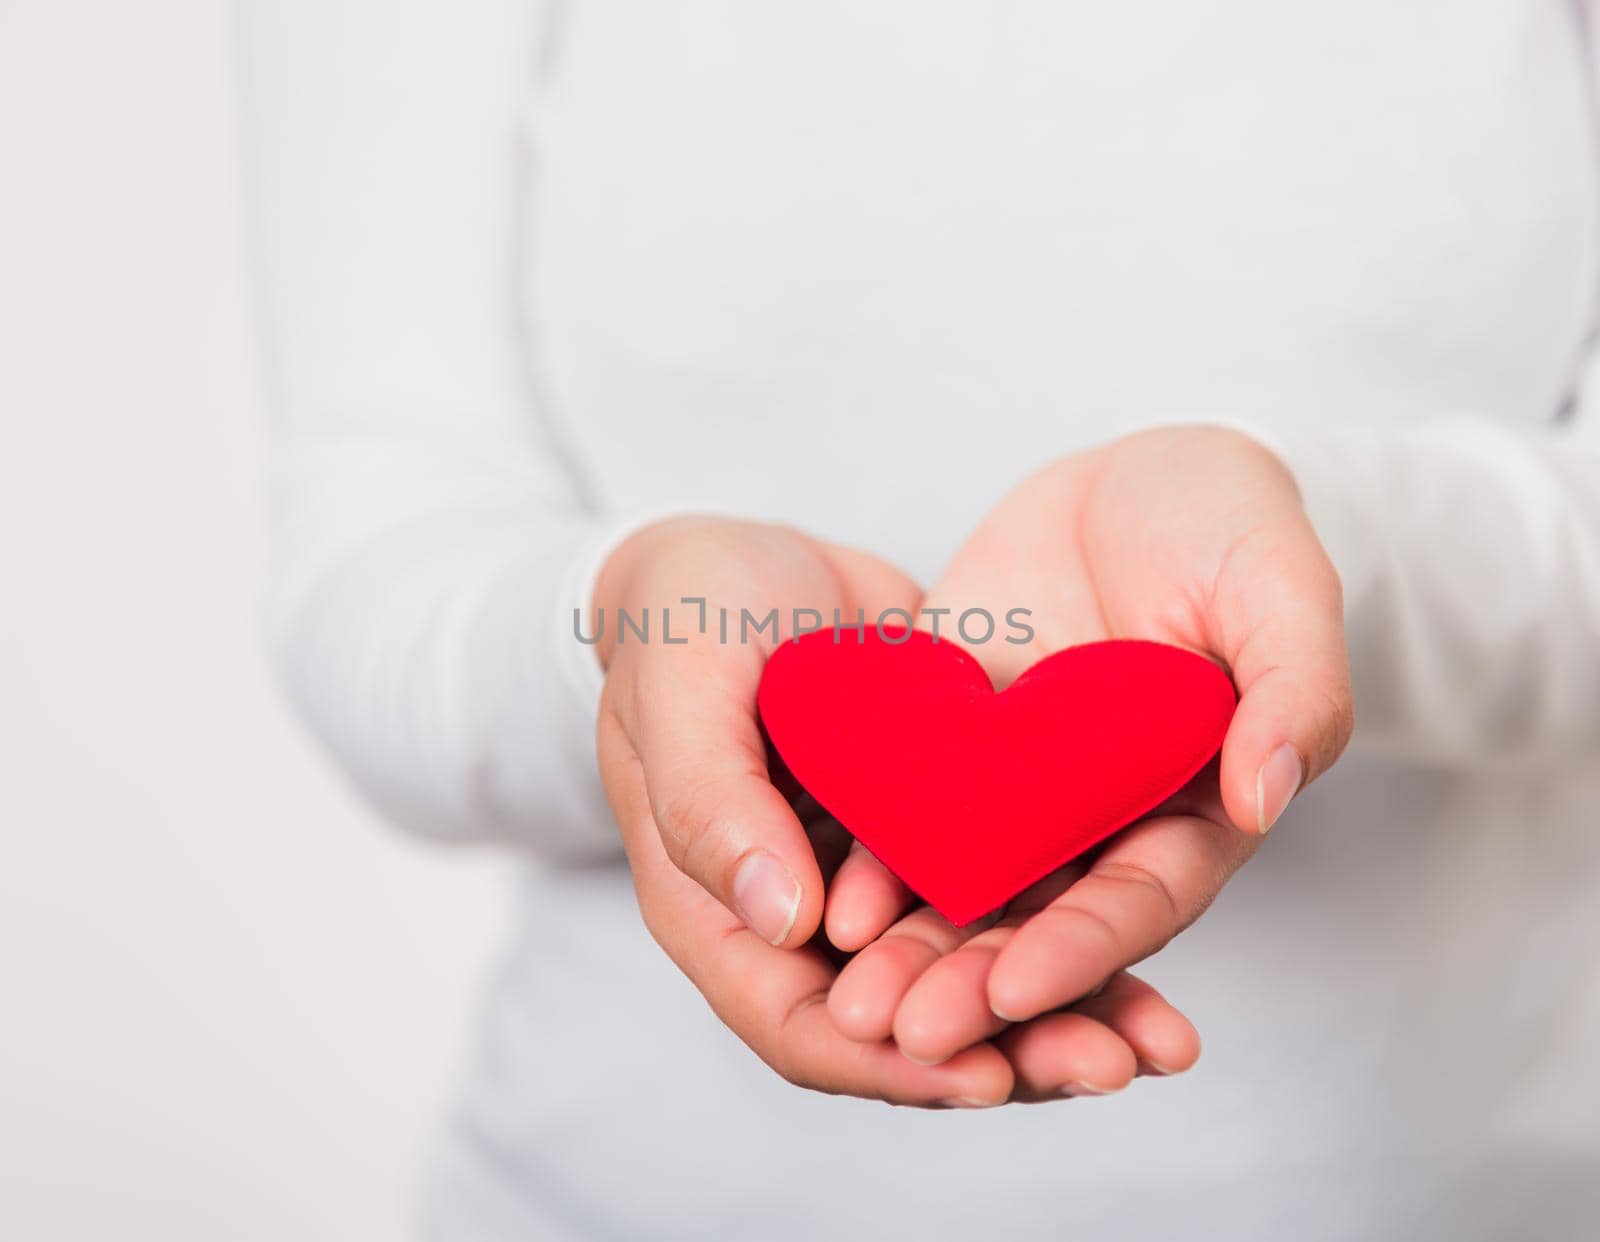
(1193, 536)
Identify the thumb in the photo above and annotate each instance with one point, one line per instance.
(690, 712)
(1278, 612)
(721, 820)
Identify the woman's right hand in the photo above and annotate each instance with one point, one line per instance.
(728, 877)
(678, 724)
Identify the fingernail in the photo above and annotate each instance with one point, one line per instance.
(967, 1101)
(1076, 1089)
(1276, 783)
(767, 896)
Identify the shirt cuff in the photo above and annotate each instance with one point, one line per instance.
(578, 661)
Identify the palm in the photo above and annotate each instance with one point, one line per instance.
(1140, 542)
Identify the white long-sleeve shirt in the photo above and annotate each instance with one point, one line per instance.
(860, 267)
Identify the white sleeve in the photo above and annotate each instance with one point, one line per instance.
(430, 544)
(1469, 550)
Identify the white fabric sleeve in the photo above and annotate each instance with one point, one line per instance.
(1469, 549)
(430, 544)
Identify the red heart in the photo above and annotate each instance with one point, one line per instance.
(970, 796)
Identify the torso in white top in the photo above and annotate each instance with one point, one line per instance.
(860, 266)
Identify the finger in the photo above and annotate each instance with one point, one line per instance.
(690, 716)
(1280, 621)
(810, 1051)
(775, 1001)
(864, 899)
(1146, 886)
(1067, 1054)
(947, 1007)
(722, 821)
(870, 583)
(1164, 1041)
(869, 989)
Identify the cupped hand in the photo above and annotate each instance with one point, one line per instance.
(713, 598)
(1193, 536)
(728, 876)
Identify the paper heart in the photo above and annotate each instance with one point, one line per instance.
(970, 796)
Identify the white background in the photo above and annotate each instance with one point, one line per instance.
(231, 1003)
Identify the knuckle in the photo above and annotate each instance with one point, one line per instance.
(1071, 920)
(703, 854)
(686, 815)
(1175, 915)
